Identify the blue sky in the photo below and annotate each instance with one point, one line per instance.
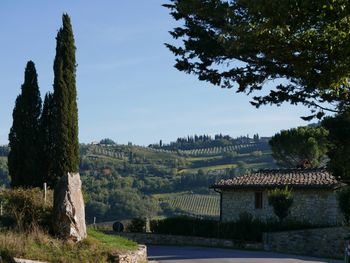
(128, 89)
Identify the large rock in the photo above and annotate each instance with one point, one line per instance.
(69, 211)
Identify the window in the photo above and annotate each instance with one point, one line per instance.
(258, 200)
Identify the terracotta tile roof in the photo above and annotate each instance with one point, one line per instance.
(293, 178)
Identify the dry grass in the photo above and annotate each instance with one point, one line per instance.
(37, 245)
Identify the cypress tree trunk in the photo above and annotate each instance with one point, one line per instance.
(66, 148)
(24, 135)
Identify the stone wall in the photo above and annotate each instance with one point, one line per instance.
(321, 242)
(20, 260)
(159, 239)
(138, 256)
(313, 206)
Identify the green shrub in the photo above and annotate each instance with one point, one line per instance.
(344, 203)
(281, 201)
(186, 226)
(137, 225)
(26, 208)
(245, 229)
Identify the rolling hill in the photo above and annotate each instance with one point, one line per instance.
(126, 181)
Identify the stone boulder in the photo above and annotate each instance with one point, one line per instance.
(69, 208)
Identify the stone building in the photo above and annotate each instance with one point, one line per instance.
(314, 192)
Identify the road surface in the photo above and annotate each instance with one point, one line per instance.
(173, 254)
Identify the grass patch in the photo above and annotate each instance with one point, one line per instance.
(37, 245)
(202, 158)
(153, 155)
(111, 241)
(209, 168)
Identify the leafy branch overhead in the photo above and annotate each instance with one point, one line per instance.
(302, 45)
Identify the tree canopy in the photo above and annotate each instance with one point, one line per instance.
(107, 141)
(66, 148)
(300, 147)
(301, 44)
(339, 150)
(24, 133)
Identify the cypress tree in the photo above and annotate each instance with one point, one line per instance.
(66, 152)
(24, 134)
(47, 140)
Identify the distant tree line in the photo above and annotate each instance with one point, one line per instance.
(107, 141)
(204, 141)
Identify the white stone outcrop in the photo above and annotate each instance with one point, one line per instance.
(69, 208)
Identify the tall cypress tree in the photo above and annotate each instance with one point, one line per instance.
(66, 152)
(47, 140)
(24, 134)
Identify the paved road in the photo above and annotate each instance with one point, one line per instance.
(172, 254)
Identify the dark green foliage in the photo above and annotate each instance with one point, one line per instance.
(185, 226)
(130, 203)
(344, 203)
(107, 141)
(244, 44)
(246, 228)
(281, 201)
(114, 191)
(24, 134)
(299, 147)
(137, 225)
(66, 152)
(339, 150)
(203, 141)
(96, 209)
(47, 141)
(26, 208)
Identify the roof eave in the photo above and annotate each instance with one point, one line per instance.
(263, 187)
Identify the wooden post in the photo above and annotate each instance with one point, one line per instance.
(147, 225)
(45, 192)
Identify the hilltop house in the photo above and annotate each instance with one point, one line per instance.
(313, 190)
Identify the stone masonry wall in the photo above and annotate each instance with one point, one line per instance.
(160, 239)
(321, 242)
(313, 206)
(138, 256)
